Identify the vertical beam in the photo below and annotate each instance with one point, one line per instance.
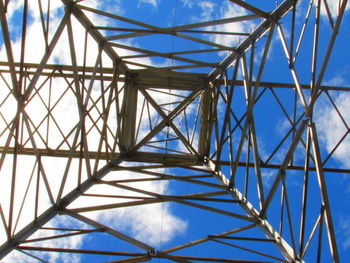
(205, 121)
(129, 113)
(8, 47)
(324, 193)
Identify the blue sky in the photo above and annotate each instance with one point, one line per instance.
(168, 224)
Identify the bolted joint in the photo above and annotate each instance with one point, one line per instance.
(152, 253)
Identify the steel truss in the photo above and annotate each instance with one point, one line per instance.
(203, 140)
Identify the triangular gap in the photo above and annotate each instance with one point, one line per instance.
(281, 118)
(61, 54)
(39, 30)
(300, 39)
(231, 95)
(39, 108)
(165, 141)
(167, 98)
(253, 56)
(327, 9)
(284, 210)
(188, 122)
(98, 109)
(222, 88)
(98, 114)
(101, 25)
(85, 103)
(66, 232)
(249, 243)
(327, 48)
(310, 197)
(28, 130)
(48, 14)
(270, 190)
(46, 57)
(307, 45)
(330, 110)
(323, 190)
(110, 115)
(28, 90)
(236, 153)
(23, 186)
(296, 29)
(58, 128)
(230, 242)
(123, 41)
(317, 240)
(117, 110)
(24, 195)
(19, 190)
(5, 194)
(147, 118)
(44, 11)
(261, 72)
(7, 102)
(84, 47)
(65, 174)
(37, 195)
(298, 208)
(237, 120)
(252, 75)
(220, 208)
(226, 94)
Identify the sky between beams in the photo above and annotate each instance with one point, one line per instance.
(181, 12)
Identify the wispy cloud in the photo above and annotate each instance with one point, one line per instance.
(212, 10)
(187, 3)
(153, 3)
(330, 122)
(334, 6)
(345, 228)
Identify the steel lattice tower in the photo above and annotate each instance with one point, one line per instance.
(92, 128)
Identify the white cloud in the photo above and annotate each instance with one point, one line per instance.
(345, 228)
(268, 177)
(210, 10)
(207, 8)
(332, 129)
(187, 3)
(153, 3)
(334, 6)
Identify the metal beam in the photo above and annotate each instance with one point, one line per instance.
(53, 211)
(260, 31)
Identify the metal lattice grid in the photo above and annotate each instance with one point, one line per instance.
(96, 128)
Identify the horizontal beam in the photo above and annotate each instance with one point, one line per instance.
(159, 78)
(152, 157)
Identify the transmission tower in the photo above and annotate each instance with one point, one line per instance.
(105, 117)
